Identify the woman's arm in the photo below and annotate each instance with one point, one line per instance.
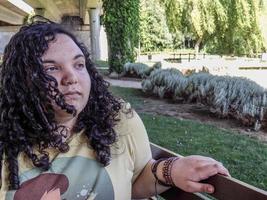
(144, 185)
(186, 173)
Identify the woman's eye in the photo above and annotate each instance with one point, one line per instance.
(80, 66)
(51, 68)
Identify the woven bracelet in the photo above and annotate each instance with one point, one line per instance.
(166, 171)
(154, 168)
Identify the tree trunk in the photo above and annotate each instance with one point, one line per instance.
(199, 40)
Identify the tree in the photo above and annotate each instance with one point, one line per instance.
(154, 32)
(200, 18)
(243, 34)
(225, 26)
(121, 21)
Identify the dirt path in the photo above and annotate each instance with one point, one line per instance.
(196, 112)
(124, 83)
(199, 113)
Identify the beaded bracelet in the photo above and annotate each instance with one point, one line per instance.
(154, 168)
(166, 171)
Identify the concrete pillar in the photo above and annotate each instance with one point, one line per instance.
(94, 14)
(103, 44)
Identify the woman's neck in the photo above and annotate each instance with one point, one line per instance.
(68, 122)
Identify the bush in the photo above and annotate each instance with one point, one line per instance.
(164, 82)
(139, 70)
(226, 96)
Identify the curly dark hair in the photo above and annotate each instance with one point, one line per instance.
(27, 119)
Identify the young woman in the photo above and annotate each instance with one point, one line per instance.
(58, 117)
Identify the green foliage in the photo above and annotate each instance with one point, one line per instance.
(225, 27)
(28, 18)
(200, 18)
(227, 96)
(121, 20)
(154, 32)
(243, 34)
(139, 70)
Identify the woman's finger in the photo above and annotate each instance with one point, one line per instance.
(199, 187)
(214, 168)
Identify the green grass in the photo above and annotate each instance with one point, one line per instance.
(134, 96)
(246, 158)
(102, 66)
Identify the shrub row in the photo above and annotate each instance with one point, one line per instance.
(139, 70)
(226, 96)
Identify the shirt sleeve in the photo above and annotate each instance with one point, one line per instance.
(138, 139)
(142, 152)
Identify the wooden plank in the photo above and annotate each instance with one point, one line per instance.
(231, 189)
(176, 193)
(225, 187)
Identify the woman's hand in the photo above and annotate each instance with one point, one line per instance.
(188, 171)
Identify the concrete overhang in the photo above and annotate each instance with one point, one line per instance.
(51, 9)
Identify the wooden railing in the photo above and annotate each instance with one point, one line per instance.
(226, 188)
(178, 57)
(185, 56)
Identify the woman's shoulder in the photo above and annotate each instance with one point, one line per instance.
(128, 120)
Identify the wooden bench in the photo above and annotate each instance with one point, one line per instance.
(226, 188)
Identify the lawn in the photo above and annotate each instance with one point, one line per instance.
(246, 158)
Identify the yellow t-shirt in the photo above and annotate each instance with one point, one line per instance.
(77, 175)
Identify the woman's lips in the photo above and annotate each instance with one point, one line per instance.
(72, 95)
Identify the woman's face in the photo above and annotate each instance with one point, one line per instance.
(65, 61)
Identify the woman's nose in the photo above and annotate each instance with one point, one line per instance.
(69, 77)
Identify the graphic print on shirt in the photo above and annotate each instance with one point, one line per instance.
(68, 178)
